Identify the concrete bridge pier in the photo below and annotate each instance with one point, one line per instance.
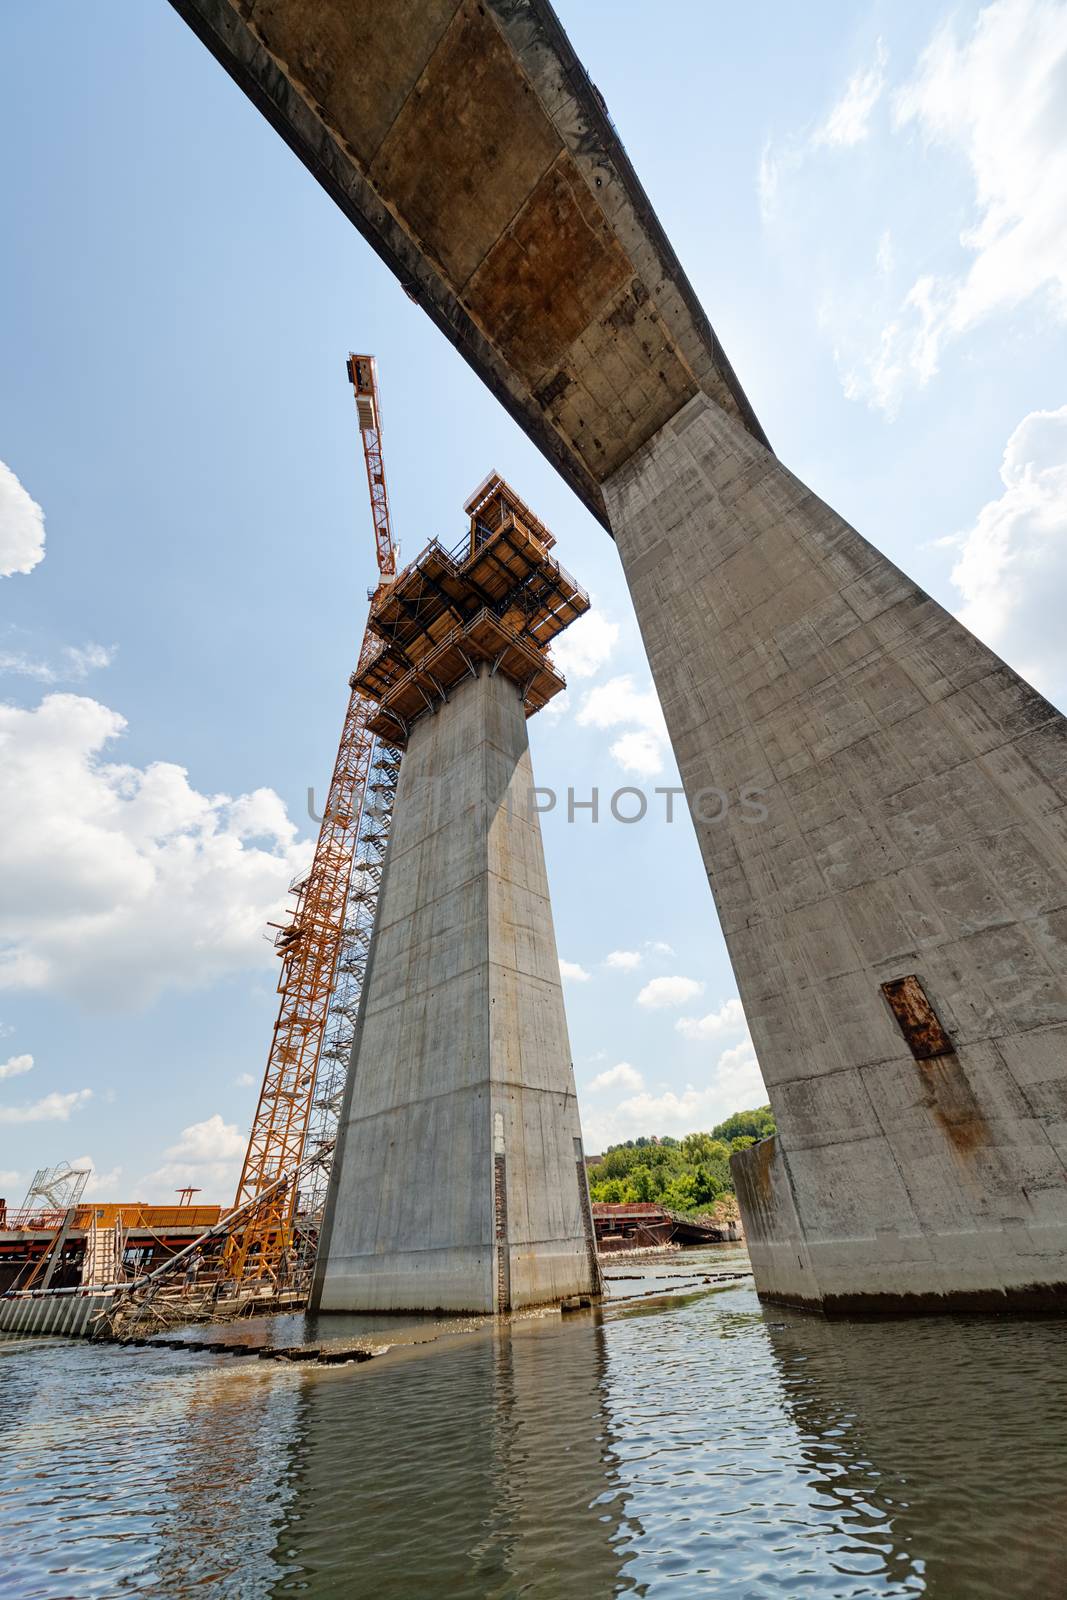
(897, 920)
(459, 1182)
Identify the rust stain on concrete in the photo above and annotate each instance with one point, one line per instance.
(467, 147)
(356, 63)
(954, 1104)
(549, 276)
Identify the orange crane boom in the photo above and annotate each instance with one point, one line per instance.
(311, 942)
(363, 374)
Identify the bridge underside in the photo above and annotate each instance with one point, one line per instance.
(915, 841)
(469, 147)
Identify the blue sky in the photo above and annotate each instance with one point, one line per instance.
(869, 203)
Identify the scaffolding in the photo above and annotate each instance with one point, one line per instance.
(323, 945)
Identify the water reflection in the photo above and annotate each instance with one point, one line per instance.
(937, 1449)
(698, 1445)
(145, 1473)
(482, 1469)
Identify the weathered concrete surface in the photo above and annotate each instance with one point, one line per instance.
(915, 784)
(468, 145)
(915, 790)
(459, 1182)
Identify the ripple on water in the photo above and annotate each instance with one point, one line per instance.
(691, 1447)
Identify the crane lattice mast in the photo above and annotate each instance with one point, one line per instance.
(324, 944)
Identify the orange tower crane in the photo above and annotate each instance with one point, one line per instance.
(311, 942)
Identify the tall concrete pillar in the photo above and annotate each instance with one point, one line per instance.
(459, 1181)
(915, 830)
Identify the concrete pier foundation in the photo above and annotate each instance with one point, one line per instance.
(459, 1182)
(915, 828)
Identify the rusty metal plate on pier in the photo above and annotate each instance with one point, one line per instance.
(917, 1019)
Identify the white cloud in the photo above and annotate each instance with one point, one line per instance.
(99, 1185)
(734, 1085)
(659, 947)
(21, 527)
(15, 1066)
(211, 1140)
(618, 703)
(623, 960)
(622, 1076)
(76, 663)
(662, 992)
(730, 1018)
(207, 1156)
(9, 1181)
(53, 1108)
(847, 124)
(586, 646)
(120, 881)
(994, 98)
(639, 752)
(244, 1080)
(1011, 571)
(849, 121)
(571, 972)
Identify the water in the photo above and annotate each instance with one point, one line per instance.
(693, 1446)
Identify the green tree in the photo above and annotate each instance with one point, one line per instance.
(708, 1185)
(684, 1175)
(680, 1193)
(614, 1191)
(755, 1124)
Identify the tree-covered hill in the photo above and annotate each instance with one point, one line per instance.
(688, 1174)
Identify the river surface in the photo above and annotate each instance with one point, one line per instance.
(697, 1444)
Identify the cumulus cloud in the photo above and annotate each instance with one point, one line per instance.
(212, 1140)
(622, 1076)
(75, 663)
(572, 972)
(207, 1156)
(120, 881)
(733, 1084)
(99, 1185)
(52, 1108)
(586, 646)
(993, 97)
(1011, 570)
(619, 704)
(21, 527)
(15, 1066)
(849, 121)
(730, 1018)
(244, 1080)
(623, 960)
(660, 993)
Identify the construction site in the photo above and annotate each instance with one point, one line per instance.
(891, 925)
(435, 1279)
(469, 627)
